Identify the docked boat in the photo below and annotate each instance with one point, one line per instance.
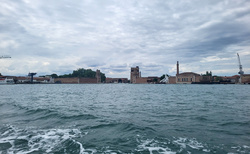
(6, 81)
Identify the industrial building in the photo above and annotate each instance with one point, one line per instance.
(186, 77)
(116, 80)
(135, 77)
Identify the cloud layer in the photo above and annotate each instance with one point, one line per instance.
(60, 36)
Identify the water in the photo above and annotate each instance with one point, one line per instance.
(124, 118)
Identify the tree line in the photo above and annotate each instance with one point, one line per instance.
(81, 72)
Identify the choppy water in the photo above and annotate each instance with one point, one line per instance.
(124, 118)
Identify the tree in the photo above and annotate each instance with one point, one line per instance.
(155, 80)
(103, 77)
(81, 72)
(162, 77)
(54, 75)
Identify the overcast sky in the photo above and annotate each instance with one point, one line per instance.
(59, 36)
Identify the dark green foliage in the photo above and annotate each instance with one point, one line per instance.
(54, 75)
(162, 77)
(155, 80)
(207, 73)
(81, 72)
(103, 77)
(218, 79)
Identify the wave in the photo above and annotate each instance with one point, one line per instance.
(16, 140)
(236, 123)
(184, 145)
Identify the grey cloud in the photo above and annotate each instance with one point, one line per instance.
(107, 34)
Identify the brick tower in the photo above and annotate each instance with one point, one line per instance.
(98, 76)
(134, 74)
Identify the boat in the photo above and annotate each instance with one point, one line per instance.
(6, 81)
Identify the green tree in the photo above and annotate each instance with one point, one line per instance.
(155, 80)
(103, 77)
(86, 73)
(162, 77)
(54, 75)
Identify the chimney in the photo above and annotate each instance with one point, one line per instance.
(177, 68)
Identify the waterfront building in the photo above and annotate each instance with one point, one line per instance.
(149, 80)
(172, 80)
(245, 78)
(134, 74)
(98, 76)
(116, 80)
(135, 77)
(186, 77)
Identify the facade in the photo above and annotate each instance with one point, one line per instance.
(116, 80)
(230, 79)
(135, 77)
(245, 78)
(172, 80)
(75, 80)
(98, 76)
(134, 74)
(142, 80)
(67, 80)
(6, 81)
(186, 77)
(43, 79)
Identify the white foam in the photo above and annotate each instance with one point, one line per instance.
(164, 147)
(153, 146)
(192, 143)
(40, 139)
(246, 147)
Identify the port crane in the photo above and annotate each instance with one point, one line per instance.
(240, 66)
(31, 76)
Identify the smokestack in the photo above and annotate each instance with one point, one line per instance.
(177, 68)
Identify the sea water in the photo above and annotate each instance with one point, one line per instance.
(124, 118)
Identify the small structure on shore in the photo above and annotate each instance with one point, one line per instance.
(31, 76)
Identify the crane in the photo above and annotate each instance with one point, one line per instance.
(1, 57)
(31, 76)
(240, 66)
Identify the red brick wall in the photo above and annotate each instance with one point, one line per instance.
(141, 80)
(172, 80)
(88, 80)
(245, 78)
(76, 80)
(66, 80)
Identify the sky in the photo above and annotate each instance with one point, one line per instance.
(59, 36)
